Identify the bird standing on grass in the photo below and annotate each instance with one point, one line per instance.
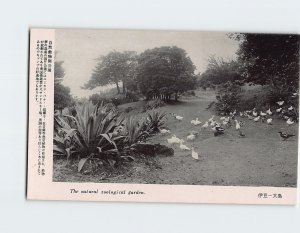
(191, 137)
(237, 125)
(205, 125)
(164, 131)
(280, 103)
(289, 121)
(183, 147)
(179, 118)
(256, 119)
(194, 154)
(269, 121)
(173, 140)
(285, 136)
(195, 122)
(269, 112)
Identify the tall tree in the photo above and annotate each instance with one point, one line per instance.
(165, 71)
(113, 68)
(269, 58)
(219, 71)
(62, 96)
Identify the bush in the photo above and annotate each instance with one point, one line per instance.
(228, 96)
(152, 104)
(88, 133)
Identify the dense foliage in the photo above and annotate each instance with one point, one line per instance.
(219, 71)
(165, 71)
(269, 58)
(113, 68)
(99, 131)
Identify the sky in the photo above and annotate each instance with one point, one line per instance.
(78, 49)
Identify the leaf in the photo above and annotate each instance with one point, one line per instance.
(81, 163)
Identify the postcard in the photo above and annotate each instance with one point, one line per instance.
(163, 116)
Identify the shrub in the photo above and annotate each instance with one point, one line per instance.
(152, 104)
(86, 134)
(155, 120)
(227, 97)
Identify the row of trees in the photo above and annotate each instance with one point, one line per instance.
(158, 73)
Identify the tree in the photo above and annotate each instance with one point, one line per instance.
(113, 68)
(219, 71)
(269, 58)
(62, 96)
(164, 71)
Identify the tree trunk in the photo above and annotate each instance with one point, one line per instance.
(176, 96)
(118, 88)
(124, 88)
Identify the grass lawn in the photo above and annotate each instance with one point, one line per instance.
(259, 159)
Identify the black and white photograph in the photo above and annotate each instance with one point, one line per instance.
(176, 107)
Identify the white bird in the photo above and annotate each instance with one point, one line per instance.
(205, 125)
(191, 137)
(211, 119)
(269, 112)
(183, 147)
(278, 109)
(222, 118)
(225, 122)
(195, 122)
(164, 131)
(194, 154)
(237, 125)
(269, 121)
(290, 108)
(280, 103)
(256, 118)
(289, 121)
(262, 114)
(173, 140)
(179, 118)
(212, 123)
(254, 113)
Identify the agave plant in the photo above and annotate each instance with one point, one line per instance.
(135, 130)
(155, 120)
(87, 133)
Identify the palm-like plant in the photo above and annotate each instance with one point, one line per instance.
(87, 133)
(155, 120)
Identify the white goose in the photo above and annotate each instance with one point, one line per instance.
(205, 125)
(173, 140)
(269, 112)
(179, 118)
(290, 122)
(194, 154)
(196, 122)
(164, 131)
(280, 103)
(256, 119)
(191, 137)
(278, 109)
(237, 125)
(183, 147)
(269, 121)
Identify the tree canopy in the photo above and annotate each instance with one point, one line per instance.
(219, 71)
(269, 58)
(113, 68)
(165, 71)
(62, 96)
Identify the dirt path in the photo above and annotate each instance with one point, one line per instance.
(259, 159)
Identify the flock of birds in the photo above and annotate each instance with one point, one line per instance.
(218, 128)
